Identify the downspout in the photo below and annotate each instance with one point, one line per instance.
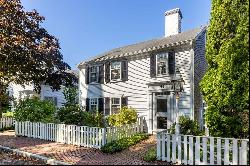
(192, 43)
(152, 112)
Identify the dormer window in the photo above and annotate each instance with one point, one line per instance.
(115, 70)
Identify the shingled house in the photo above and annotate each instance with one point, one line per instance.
(143, 75)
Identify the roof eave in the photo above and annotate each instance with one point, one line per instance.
(141, 51)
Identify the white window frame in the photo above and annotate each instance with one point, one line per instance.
(115, 69)
(90, 104)
(97, 73)
(111, 99)
(157, 64)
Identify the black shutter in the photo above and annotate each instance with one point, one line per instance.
(101, 74)
(107, 72)
(87, 75)
(100, 105)
(124, 101)
(124, 67)
(171, 62)
(87, 104)
(152, 65)
(107, 106)
(55, 100)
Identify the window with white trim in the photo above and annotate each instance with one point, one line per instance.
(115, 105)
(115, 70)
(162, 63)
(93, 74)
(93, 103)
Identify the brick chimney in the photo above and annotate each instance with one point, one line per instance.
(173, 22)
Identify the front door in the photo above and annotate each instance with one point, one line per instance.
(161, 112)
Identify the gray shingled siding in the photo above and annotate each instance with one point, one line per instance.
(200, 66)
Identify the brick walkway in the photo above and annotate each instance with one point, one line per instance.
(80, 155)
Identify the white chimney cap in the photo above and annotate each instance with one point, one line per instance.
(173, 11)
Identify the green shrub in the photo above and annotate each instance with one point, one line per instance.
(151, 155)
(187, 127)
(72, 114)
(35, 110)
(93, 119)
(126, 116)
(124, 143)
(8, 114)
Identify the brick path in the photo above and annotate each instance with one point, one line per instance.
(80, 155)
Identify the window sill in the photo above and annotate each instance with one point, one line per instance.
(94, 83)
(166, 75)
(114, 81)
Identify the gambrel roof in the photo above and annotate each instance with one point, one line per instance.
(147, 46)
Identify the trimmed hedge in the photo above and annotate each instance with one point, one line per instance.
(124, 143)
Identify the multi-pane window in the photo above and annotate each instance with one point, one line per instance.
(115, 70)
(93, 74)
(161, 63)
(115, 105)
(93, 104)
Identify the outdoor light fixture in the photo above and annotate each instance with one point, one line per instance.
(178, 83)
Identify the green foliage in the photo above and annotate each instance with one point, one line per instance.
(125, 116)
(187, 127)
(8, 114)
(28, 53)
(151, 155)
(225, 86)
(71, 114)
(35, 110)
(71, 95)
(93, 119)
(124, 143)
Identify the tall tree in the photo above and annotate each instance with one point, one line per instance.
(226, 84)
(28, 53)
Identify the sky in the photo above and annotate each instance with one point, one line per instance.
(86, 28)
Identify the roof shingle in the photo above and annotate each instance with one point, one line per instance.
(147, 46)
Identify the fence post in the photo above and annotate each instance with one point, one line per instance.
(141, 123)
(191, 150)
(243, 159)
(159, 156)
(16, 128)
(235, 152)
(197, 150)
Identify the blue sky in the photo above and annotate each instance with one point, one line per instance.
(86, 28)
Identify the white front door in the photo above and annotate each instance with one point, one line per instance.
(161, 112)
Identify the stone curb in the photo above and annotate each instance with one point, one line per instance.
(47, 160)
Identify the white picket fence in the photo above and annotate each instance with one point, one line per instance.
(6, 122)
(85, 136)
(202, 150)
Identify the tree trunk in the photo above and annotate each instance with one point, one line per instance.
(1, 111)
